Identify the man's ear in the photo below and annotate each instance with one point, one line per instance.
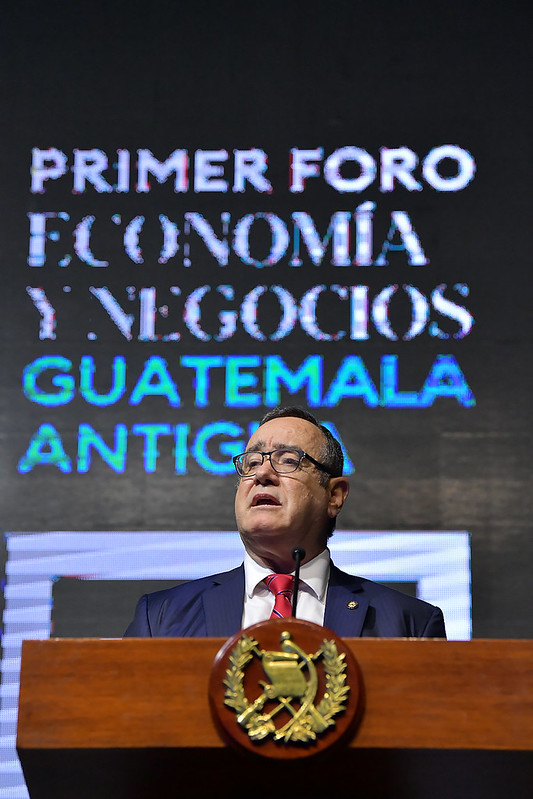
(338, 491)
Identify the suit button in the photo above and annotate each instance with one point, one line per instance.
(352, 605)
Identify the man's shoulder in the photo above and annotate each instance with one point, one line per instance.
(376, 592)
(188, 589)
(387, 611)
(386, 594)
(192, 608)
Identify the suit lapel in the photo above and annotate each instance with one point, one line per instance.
(223, 604)
(346, 607)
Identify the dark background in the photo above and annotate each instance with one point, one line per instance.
(237, 75)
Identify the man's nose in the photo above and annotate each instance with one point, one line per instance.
(266, 471)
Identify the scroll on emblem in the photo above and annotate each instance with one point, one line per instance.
(284, 694)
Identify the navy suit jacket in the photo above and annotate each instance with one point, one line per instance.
(212, 606)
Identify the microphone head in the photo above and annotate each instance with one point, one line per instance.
(298, 553)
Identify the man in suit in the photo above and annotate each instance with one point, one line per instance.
(290, 491)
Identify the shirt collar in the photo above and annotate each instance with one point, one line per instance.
(314, 573)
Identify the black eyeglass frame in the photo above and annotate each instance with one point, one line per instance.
(300, 452)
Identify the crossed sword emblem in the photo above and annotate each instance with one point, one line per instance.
(287, 682)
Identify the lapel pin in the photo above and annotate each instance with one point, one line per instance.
(352, 605)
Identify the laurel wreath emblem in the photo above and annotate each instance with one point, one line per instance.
(306, 722)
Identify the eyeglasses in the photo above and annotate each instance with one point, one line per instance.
(283, 461)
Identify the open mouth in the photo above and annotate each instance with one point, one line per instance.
(263, 499)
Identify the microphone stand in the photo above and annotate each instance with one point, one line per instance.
(298, 554)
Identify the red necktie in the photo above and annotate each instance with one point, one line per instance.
(281, 586)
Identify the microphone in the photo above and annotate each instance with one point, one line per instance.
(298, 554)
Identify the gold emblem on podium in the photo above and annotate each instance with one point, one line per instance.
(285, 689)
(292, 686)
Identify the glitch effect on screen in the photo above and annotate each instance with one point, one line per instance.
(227, 336)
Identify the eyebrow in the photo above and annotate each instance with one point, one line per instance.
(258, 446)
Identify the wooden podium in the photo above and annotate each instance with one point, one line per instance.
(130, 719)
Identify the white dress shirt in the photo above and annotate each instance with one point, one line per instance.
(311, 605)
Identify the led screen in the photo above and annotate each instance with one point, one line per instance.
(208, 212)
